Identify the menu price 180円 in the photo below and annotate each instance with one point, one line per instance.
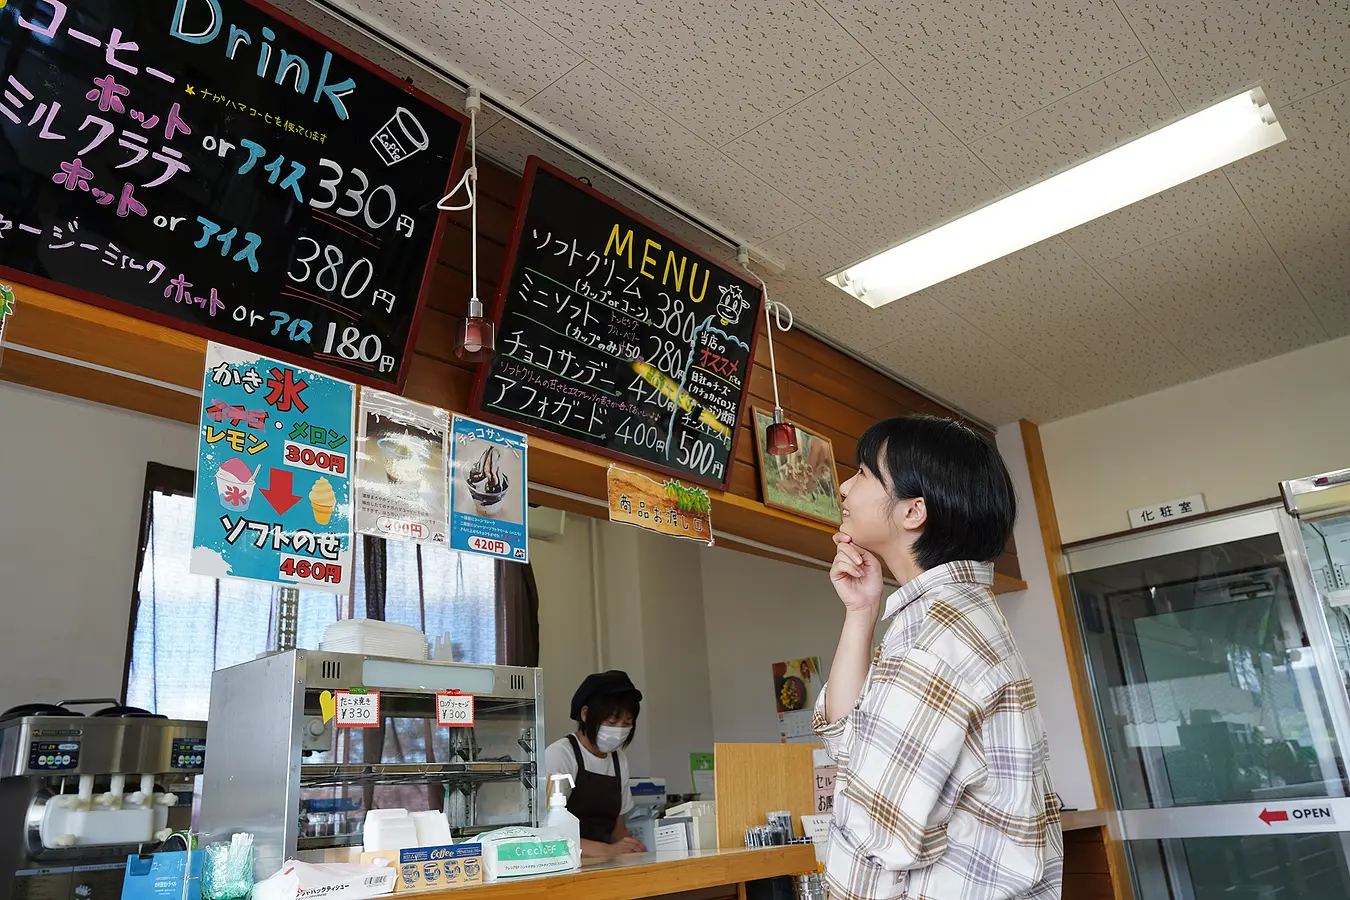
(357, 710)
(454, 710)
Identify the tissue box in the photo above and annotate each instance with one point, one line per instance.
(163, 876)
(434, 868)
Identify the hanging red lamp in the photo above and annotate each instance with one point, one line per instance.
(781, 438)
(475, 337)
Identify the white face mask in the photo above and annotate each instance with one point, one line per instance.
(610, 738)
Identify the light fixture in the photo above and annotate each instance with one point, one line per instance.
(475, 337)
(1186, 149)
(781, 438)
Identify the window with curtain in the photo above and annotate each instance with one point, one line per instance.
(184, 626)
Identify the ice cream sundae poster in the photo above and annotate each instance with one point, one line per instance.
(401, 489)
(488, 488)
(274, 467)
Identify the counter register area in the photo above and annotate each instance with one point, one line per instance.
(267, 765)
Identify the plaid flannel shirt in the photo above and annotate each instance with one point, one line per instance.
(943, 791)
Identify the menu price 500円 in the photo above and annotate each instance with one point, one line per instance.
(357, 710)
(454, 710)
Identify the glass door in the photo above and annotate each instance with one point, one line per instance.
(1222, 708)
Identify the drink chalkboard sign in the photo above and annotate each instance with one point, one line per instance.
(217, 167)
(613, 337)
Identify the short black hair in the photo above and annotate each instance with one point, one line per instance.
(604, 707)
(959, 473)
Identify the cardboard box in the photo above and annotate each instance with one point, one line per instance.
(434, 868)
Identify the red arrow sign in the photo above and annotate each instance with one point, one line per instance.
(280, 492)
(1271, 816)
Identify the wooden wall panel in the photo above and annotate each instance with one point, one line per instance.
(825, 390)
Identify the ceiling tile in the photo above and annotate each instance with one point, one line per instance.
(980, 64)
(719, 68)
(941, 351)
(622, 127)
(1211, 49)
(1219, 293)
(1183, 208)
(1299, 193)
(467, 36)
(1100, 117)
(813, 249)
(509, 145)
(1059, 314)
(828, 310)
(869, 160)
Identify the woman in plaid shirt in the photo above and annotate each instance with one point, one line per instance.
(944, 789)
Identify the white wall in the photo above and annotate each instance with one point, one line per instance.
(758, 612)
(567, 654)
(1232, 437)
(71, 489)
(1034, 623)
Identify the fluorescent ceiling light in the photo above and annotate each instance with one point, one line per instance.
(1186, 149)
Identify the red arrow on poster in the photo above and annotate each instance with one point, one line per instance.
(280, 492)
(1270, 816)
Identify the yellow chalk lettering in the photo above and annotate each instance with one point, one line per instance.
(693, 277)
(620, 245)
(679, 273)
(647, 258)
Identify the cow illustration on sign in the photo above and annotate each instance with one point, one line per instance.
(732, 304)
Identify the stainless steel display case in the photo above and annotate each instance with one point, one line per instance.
(301, 785)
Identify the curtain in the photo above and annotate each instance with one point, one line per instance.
(518, 608)
(186, 626)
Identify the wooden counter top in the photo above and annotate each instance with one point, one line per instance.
(1085, 818)
(644, 875)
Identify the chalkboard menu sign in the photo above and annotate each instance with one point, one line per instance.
(615, 338)
(217, 167)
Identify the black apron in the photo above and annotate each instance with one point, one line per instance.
(596, 800)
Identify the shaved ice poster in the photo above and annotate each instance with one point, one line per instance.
(274, 465)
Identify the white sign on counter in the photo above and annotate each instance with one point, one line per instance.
(454, 710)
(1168, 511)
(357, 710)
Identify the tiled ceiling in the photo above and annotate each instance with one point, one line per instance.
(824, 130)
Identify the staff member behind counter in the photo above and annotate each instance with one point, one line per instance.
(605, 709)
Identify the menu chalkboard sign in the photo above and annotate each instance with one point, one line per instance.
(614, 337)
(217, 167)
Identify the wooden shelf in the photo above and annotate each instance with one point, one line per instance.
(163, 362)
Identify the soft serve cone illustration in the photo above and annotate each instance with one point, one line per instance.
(323, 499)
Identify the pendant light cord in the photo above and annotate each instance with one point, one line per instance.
(773, 314)
(469, 184)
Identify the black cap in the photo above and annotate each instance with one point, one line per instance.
(602, 684)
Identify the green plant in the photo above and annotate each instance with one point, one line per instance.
(687, 499)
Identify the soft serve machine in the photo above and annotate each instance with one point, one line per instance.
(78, 794)
(281, 769)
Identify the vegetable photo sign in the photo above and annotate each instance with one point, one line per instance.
(666, 507)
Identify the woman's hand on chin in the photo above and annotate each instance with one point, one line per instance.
(856, 576)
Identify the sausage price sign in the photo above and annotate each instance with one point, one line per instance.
(217, 167)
